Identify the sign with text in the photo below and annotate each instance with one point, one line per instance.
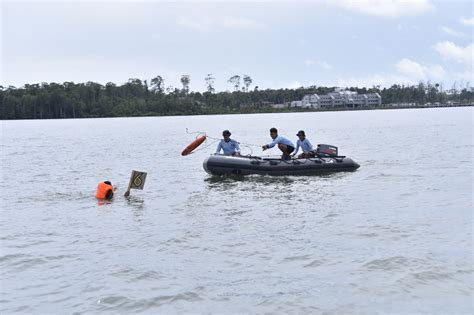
(137, 181)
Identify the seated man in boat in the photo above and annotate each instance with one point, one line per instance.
(228, 145)
(305, 145)
(285, 145)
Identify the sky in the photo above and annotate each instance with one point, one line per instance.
(279, 44)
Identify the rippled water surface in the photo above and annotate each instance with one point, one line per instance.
(393, 237)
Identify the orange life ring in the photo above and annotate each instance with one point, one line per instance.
(193, 145)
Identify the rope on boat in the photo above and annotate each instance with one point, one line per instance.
(214, 138)
(199, 133)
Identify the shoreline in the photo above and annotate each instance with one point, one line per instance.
(268, 111)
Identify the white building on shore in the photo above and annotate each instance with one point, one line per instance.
(338, 99)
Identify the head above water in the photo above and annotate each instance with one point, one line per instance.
(110, 193)
(273, 132)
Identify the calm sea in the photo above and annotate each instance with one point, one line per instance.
(393, 237)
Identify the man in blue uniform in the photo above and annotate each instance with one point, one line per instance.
(285, 145)
(305, 145)
(228, 145)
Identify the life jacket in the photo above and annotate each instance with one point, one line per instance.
(102, 190)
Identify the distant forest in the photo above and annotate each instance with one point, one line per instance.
(143, 98)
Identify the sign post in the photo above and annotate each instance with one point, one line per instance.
(137, 181)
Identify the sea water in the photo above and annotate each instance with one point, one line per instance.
(395, 236)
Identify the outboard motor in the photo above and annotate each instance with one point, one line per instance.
(326, 150)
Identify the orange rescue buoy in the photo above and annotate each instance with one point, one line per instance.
(193, 145)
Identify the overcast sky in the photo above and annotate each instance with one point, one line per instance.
(279, 44)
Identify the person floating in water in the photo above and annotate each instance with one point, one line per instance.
(284, 144)
(105, 191)
(228, 145)
(305, 145)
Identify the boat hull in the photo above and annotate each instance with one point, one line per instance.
(222, 165)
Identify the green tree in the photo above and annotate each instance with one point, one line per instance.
(247, 81)
(210, 83)
(185, 80)
(158, 84)
(235, 81)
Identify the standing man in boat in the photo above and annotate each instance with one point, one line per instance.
(228, 145)
(305, 145)
(284, 144)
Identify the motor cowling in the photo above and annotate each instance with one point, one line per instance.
(326, 150)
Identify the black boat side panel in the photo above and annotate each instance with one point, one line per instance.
(221, 164)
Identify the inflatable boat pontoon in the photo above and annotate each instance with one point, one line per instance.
(246, 165)
(325, 160)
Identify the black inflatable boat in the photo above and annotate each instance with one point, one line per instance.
(245, 165)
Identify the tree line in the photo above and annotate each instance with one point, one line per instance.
(140, 98)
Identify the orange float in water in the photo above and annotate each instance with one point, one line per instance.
(193, 145)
